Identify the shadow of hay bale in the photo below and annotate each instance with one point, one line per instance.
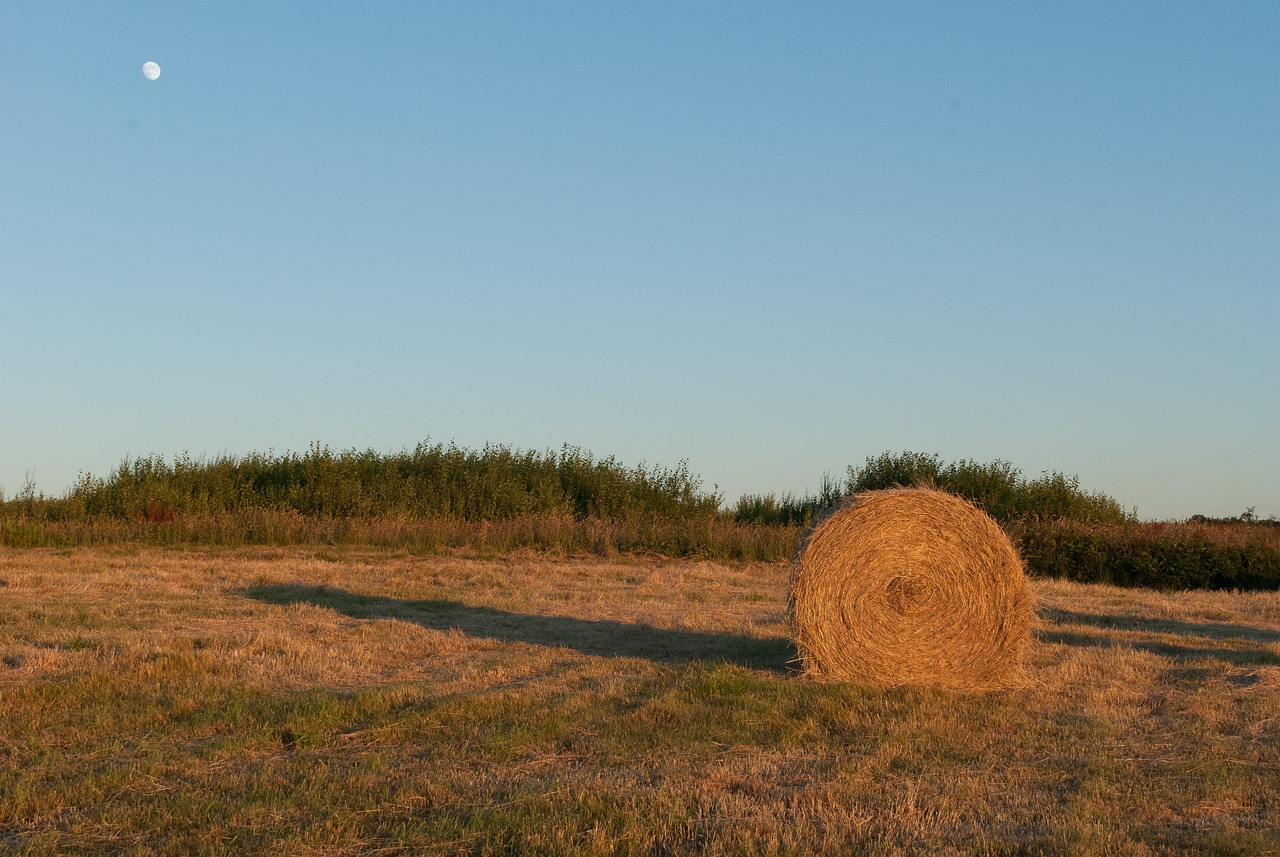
(1193, 641)
(597, 637)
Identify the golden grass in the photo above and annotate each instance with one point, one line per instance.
(350, 702)
(121, 611)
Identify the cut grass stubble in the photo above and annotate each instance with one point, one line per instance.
(348, 701)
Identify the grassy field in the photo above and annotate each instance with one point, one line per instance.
(349, 701)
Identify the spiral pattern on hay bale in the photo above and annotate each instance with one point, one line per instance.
(911, 587)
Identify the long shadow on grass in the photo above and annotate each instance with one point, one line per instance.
(599, 637)
(1115, 630)
(1129, 622)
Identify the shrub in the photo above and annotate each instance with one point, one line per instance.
(1159, 556)
(998, 488)
(787, 510)
(495, 483)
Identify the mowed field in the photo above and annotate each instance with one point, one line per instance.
(304, 701)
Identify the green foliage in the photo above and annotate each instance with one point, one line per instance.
(1247, 518)
(894, 471)
(499, 499)
(1158, 556)
(496, 483)
(998, 488)
(787, 510)
(435, 497)
(1061, 530)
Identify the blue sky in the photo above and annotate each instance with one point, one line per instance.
(768, 238)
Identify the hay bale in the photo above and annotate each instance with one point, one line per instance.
(910, 586)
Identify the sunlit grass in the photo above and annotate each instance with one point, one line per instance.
(342, 700)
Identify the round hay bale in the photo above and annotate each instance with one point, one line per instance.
(911, 586)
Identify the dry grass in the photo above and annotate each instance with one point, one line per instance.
(294, 701)
(275, 619)
(911, 586)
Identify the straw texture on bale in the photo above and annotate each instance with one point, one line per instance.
(911, 586)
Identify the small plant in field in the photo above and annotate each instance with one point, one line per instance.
(78, 643)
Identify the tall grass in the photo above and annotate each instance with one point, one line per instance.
(431, 481)
(433, 497)
(787, 510)
(714, 538)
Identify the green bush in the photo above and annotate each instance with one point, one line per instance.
(998, 488)
(1158, 556)
(495, 483)
(787, 510)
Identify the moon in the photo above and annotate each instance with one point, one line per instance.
(150, 70)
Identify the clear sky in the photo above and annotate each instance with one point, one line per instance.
(768, 238)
